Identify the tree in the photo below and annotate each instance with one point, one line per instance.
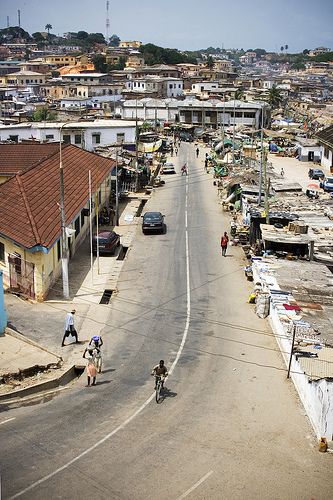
(210, 62)
(48, 27)
(114, 41)
(282, 48)
(239, 94)
(286, 47)
(38, 37)
(42, 115)
(306, 52)
(96, 38)
(99, 62)
(274, 97)
(82, 35)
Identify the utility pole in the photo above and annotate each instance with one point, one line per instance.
(261, 155)
(233, 134)
(64, 256)
(292, 349)
(136, 147)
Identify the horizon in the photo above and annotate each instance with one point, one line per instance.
(300, 25)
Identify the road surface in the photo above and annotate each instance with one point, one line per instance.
(231, 425)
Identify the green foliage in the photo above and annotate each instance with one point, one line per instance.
(95, 38)
(327, 57)
(260, 52)
(306, 52)
(99, 62)
(274, 97)
(298, 65)
(38, 37)
(10, 35)
(210, 62)
(119, 66)
(48, 27)
(43, 115)
(114, 41)
(153, 54)
(82, 35)
(239, 94)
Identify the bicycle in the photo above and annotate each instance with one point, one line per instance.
(158, 388)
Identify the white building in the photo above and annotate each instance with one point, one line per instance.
(85, 134)
(164, 110)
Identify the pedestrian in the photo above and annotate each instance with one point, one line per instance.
(171, 151)
(184, 169)
(206, 164)
(282, 172)
(224, 243)
(111, 215)
(176, 151)
(90, 355)
(70, 328)
(197, 151)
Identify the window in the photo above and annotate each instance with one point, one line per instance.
(58, 249)
(13, 138)
(96, 138)
(77, 227)
(170, 85)
(66, 139)
(77, 139)
(82, 217)
(120, 138)
(249, 115)
(49, 136)
(326, 152)
(2, 252)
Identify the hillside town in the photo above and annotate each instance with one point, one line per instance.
(94, 129)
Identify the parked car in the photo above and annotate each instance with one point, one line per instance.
(107, 241)
(186, 136)
(327, 184)
(153, 222)
(316, 174)
(168, 168)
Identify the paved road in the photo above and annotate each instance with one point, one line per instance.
(230, 426)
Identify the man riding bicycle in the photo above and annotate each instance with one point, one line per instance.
(161, 371)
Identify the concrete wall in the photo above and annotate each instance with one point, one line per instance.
(326, 162)
(316, 396)
(303, 152)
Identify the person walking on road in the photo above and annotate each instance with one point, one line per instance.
(184, 169)
(90, 355)
(224, 243)
(112, 213)
(197, 152)
(70, 328)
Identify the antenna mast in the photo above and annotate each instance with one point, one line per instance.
(19, 18)
(107, 22)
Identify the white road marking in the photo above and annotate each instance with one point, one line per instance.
(148, 401)
(8, 420)
(187, 492)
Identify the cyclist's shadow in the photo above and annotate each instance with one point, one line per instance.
(167, 393)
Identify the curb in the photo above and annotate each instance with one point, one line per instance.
(22, 338)
(17, 396)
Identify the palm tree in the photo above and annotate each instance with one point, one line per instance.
(48, 27)
(286, 47)
(282, 48)
(274, 97)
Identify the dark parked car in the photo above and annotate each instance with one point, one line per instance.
(316, 174)
(108, 241)
(153, 222)
(327, 184)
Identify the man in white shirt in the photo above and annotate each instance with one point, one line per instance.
(69, 327)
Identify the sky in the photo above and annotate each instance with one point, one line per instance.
(185, 24)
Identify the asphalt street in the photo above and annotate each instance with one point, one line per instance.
(230, 425)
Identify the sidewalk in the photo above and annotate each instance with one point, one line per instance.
(42, 324)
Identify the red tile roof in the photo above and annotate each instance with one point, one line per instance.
(29, 202)
(15, 158)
